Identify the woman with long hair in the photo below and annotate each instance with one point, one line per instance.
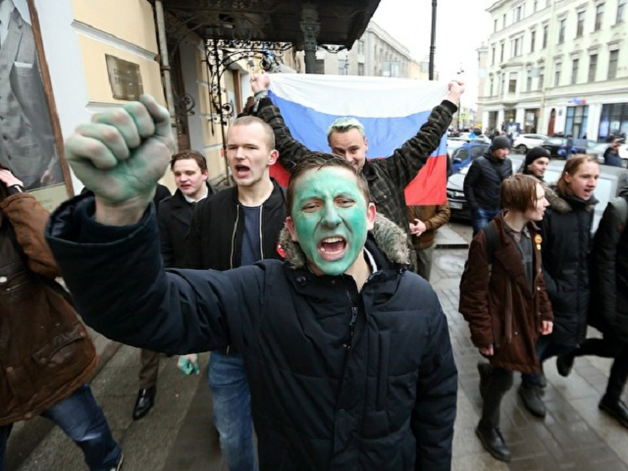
(566, 241)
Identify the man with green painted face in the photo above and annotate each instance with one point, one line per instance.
(347, 353)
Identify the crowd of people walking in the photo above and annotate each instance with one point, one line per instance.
(325, 342)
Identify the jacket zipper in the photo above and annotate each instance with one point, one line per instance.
(235, 228)
(352, 321)
(261, 241)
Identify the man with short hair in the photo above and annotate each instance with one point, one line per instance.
(482, 185)
(174, 214)
(347, 353)
(388, 177)
(239, 226)
(536, 162)
(611, 154)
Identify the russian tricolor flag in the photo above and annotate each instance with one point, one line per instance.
(391, 110)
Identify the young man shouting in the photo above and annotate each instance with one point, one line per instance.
(347, 353)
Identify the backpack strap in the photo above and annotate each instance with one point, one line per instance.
(490, 232)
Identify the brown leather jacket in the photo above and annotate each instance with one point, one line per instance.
(433, 217)
(500, 309)
(45, 351)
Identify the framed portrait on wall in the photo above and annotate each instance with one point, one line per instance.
(30, 136)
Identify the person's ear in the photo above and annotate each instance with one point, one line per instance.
(290, 227)
(371, 212)
(274, 155)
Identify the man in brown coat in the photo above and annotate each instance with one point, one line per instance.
(504, 300)
(46, 354)
(424, 222)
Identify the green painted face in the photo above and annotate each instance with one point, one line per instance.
(329, 214)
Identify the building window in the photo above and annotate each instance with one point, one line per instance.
(576, 121)
(361, 47)
(599, 16)
(613, 121)
(504, 21)
(493, 55)
(518, 42)
(502, 88)
(343, 66)
(532, 40)
(529, 81)
(360, 69)
(512, 84)
(501, 53)
(592, 67)
(541, 77)
(535, 6)
(390, 69)
(557, 70)
(490, 90)
(494, 26)
(545, 33)
(320, 67)
(612, 64)
(574, 71)
(517, 13)
(580, 25)
(561, 30)
(621, 11)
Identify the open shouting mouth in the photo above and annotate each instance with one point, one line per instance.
(332, 248)
(242, 171)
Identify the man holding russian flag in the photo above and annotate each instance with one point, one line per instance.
(315, 101)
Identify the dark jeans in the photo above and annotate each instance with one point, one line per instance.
(231, 399)
(481, 217)
(496, 386)
(609, 348)
(545, 348)
(83, 421)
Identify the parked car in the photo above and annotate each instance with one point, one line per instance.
(466, 154)
(524, 142)
(478, 137)
(611, 181)
(554, 144)
(557, 146)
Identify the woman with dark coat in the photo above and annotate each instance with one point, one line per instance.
(503, 297)
(566, 233)
(609, 288)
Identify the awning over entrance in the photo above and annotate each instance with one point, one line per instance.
(337, 22)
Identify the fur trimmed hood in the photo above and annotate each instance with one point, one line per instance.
(389, 238)
(565, 205)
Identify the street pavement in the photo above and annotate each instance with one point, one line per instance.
(177, 434)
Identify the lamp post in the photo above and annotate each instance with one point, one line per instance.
(432, 41)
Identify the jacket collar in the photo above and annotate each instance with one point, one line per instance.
(569, 203)
(388, 245)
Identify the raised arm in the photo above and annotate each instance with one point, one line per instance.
(290, 150)
(120, 156)
(405, 163)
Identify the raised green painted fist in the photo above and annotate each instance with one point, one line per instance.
(123, 152)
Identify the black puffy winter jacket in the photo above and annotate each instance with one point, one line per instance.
(483, 183)
(609, 273)
(339, 379)
(566, 232)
